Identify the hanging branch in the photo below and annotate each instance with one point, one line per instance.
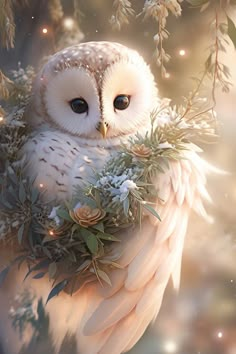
(7, 22)
(55, 11)
(66, 31)
(122, 13)
(5, 86)
(77, 12)
(159, 11)
(216, 70)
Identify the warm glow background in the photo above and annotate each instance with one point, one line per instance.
(202, 318)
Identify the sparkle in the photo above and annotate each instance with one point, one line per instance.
(219, 335)
(68, 23)
(51, 233)
(167, 75)
(182, 52)
(41, 185)
(1, 119)
(45, 30)
(170, 346)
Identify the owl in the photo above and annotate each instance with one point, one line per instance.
(88, 100)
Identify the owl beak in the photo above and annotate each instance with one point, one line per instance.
(103, 128)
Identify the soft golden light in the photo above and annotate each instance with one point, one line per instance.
(1, 118)
(182, 52)
(220, 335)
(51, 233)
(167, 75)
(170, 347)
(45, 30)
(68, 23)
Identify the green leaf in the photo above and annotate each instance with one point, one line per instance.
(104, 276)
(136, 194)
(126, 206)
(84, 265)
(99, 226)
(107, 237)
(52, 269)
(124, 196)
(92, 243)
(143, 184)
(20, 233)
(35, 209)
(74, 228)
(3, 275)
(39, 275)
(48, 238)
(63, 213)
(34, 195)
(5, 203)
(22, 193)
(197, 2)
(12, 176)
(85, 233)
(208, 62)
(57, 289)
(232, 31)
(151, 210)
(41, 265)
(97, 198)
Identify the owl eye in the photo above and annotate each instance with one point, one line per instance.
(79, 105)
(121, 102)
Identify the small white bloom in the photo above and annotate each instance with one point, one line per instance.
(53, 215)
(77, 206)
(156, 38)
(127, 186)
(183, 124)
(163, 119)
(12, 311)
(103, 180)
(116, 180)
(165, 145)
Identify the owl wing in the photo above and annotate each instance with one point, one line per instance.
(58, 163)
(111, 319)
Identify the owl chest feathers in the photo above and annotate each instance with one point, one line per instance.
(59, 163)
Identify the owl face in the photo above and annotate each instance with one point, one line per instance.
(96, 89)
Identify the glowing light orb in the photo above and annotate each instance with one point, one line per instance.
(167, 75)
(170, 347)
(40, 185)
(68, 23)
(219, 335)
(45, 30)
(182, 52)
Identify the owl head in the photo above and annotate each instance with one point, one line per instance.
(96, 90)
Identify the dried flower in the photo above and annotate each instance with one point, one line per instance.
(61, 230)
(86, 216)
(141, 150)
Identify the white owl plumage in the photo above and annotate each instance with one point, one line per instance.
(65, 149)
(68, 146)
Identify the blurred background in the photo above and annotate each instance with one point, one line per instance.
(201, 318)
